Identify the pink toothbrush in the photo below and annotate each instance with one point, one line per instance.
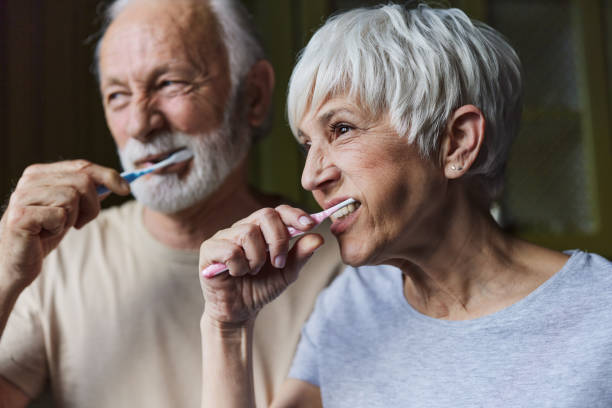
(217, 268)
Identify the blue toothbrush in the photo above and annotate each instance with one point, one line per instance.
(130, 176)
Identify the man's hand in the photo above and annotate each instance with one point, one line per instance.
(49, 199)
(261, 267)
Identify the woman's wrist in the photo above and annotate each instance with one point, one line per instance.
(225, 329)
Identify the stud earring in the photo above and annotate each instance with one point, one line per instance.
(456, 168)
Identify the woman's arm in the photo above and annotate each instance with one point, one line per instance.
(227, 363)
(233, 299)
(298, 394)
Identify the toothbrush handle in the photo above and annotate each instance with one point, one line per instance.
(213, 270)
(101, 190)
(127, 176)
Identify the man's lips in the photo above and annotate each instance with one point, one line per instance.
(154, 158)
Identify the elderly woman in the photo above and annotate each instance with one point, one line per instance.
(411, 112)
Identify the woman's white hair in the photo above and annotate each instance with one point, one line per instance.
(237, 31)
(418, 65)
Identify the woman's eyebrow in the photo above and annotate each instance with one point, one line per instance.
(326, 117)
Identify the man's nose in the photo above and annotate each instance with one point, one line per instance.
(145, 119)
(319, 170)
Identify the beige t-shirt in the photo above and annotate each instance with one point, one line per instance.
(113, 320)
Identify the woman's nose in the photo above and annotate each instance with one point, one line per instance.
(319, 170)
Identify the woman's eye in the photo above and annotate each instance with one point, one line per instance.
(341, 129)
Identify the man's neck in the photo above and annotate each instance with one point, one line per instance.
(187, 229)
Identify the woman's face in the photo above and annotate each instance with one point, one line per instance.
(351, 154)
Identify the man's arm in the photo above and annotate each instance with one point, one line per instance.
(49, 200)
(11, 396)
(9, 292)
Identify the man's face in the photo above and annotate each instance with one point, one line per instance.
(165, 85)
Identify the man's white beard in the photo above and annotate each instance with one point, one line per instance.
(215, 155)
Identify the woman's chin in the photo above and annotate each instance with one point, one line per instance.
(353, 257)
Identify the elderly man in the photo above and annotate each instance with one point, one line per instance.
(110, 318)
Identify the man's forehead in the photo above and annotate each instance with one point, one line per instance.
(167, 29)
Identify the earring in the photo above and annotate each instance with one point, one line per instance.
(456, 168)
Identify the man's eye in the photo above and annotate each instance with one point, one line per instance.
(304, 148)
(115, 97)
(169, 83)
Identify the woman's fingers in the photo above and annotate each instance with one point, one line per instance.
(262, 236)
(295, 217)
(301, 252)
(275, 235)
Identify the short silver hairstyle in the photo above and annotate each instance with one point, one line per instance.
(238, 33)
(418, 65)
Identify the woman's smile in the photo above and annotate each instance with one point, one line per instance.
(344, 218)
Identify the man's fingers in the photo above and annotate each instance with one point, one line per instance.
(110, 178)
(33, 219)
(98, 175)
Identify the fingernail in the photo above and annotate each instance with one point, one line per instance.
(280, 260)
(304, 220)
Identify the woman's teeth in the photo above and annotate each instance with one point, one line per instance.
(344, 211)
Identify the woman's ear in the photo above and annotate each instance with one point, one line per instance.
(462, 141)
(260, 86)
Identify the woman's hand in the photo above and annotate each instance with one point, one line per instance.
(261, 267)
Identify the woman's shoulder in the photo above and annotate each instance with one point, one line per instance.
(586, 276)
(588, 266)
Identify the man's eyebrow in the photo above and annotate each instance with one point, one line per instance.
(157, 72)
(111, 81)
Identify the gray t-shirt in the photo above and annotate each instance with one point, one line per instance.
(365, 346)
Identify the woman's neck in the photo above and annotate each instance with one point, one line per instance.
(474, 269)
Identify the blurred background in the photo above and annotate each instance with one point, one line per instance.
(559, 188)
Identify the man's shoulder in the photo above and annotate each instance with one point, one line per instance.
(111, 221)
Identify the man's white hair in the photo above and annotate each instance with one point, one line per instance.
(419, 65)
(238, 33)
